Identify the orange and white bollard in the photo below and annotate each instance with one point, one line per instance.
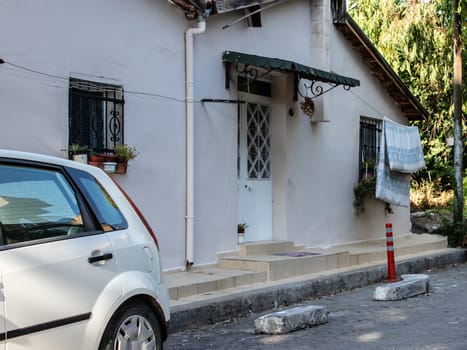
(392, 276)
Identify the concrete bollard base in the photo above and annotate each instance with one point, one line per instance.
(409, 286)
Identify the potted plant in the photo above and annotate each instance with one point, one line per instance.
(78, 152)
(241, 232)
(124, 153)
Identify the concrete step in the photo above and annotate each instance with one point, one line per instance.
(208, 279)
(402, 242)
(373, 251)
(275, 261)
(280, 260)
(266, 247)
(285, 265)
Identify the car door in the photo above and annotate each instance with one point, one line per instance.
(2, 311)
(55, 260)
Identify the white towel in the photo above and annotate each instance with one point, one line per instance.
(403, 147)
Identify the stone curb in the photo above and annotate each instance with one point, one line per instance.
(241, 304)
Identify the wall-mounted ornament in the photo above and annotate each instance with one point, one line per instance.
(307, 106)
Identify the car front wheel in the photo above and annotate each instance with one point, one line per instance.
(133, 327)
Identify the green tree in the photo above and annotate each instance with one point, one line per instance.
(416, 38)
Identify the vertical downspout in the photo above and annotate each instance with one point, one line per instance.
(189, 95)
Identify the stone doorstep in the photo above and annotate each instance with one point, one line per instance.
(291, 320)
(406, 241)
(409, 286)
(281, 266)
(211, 280)
(234, 270)
(266, 248)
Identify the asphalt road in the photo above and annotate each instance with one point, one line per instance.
(435, 321)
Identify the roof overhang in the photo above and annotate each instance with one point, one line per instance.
(300, 71)
(223, 6)
(380, 68)
(196, 8)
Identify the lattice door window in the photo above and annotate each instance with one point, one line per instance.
(258, 141)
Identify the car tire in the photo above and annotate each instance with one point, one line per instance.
(133, 326)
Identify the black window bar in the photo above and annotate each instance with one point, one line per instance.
(370, 136)
(95, 115)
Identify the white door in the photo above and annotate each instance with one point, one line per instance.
(254, 167)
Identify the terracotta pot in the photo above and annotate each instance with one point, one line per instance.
(96, 164)
(121, 168)
(96, 158)
(110, 157)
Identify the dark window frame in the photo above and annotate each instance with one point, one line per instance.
(96, 115)
(369, 146)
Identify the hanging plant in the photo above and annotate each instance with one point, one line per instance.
(307, 106)
(366, 188)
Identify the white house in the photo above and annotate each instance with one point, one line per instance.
(213, 103)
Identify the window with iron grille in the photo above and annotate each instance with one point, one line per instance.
(370, 137)
(95, 115)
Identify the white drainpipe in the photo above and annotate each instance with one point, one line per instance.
(189, 95)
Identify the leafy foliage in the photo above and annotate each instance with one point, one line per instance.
(416, 38)
(366, 188)
(455, 231)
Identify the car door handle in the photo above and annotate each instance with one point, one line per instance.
(98, 258)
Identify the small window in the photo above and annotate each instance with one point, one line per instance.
(370, 136)
(254, 20)
(36, 204)
(95, 115)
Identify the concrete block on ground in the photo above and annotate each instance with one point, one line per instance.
(409, 286)
(292, 319)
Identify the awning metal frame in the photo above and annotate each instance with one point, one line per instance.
(309, 82)
(315, 88)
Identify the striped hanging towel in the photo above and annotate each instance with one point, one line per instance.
(403, 147)
(400, 155)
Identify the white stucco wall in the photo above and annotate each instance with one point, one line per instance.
(315, 166)
(136, 44)
(141, 47)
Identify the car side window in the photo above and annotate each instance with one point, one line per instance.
(36, 203)
(107, 212)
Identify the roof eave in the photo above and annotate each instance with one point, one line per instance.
(380, 68)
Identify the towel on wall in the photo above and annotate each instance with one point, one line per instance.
(400, 155)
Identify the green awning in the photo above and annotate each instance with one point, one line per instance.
(285, 66)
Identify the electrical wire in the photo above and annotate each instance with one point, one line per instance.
(96, 87)
(366, 103)
(34, 71)
(84, 85)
